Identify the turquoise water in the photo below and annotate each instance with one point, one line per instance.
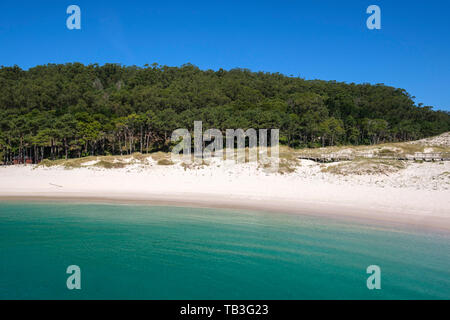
(144, 252)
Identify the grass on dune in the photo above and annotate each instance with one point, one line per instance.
(288, 158)
(365, 167)
(107, 162)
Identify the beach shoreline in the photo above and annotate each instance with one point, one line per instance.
(345, 214)
(254, 191)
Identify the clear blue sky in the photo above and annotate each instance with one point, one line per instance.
(314, 39)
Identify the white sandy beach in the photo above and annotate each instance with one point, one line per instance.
(417, 195)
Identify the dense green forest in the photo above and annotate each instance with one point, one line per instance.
(73, 110)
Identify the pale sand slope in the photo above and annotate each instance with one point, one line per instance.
(418, 194)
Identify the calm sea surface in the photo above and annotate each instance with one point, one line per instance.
(145, 252)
